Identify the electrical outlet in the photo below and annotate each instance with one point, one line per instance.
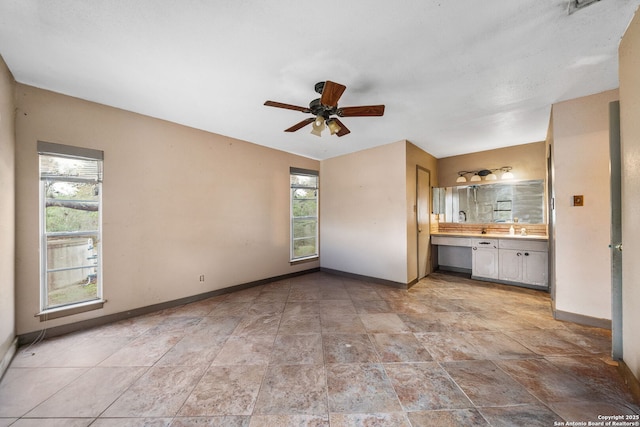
(202, 277)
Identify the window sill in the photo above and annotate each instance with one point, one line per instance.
(303, 260)
(69, 310)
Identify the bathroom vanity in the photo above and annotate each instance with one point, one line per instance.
(516, 260)
(494, 231)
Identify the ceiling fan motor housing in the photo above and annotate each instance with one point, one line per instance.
(318, 109)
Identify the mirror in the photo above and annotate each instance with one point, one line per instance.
(521, 201)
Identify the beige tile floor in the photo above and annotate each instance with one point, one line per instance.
(323, 350)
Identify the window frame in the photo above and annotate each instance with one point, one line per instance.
(292, 238)
(47, 311)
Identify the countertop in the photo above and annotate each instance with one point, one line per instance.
(495, 236)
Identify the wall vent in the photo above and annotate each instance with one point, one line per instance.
(575, 5)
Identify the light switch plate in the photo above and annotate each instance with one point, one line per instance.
(578, 200)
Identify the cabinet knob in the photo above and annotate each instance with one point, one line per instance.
(526, 254)
(519, 254)
(475, 248)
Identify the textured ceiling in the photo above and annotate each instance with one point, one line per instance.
(455, 76)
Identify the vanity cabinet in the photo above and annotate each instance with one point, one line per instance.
(484, 258)
(510, 260)
(511, 265)
(523, 262)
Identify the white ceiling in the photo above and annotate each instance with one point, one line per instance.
(455, 76)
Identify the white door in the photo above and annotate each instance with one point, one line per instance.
(423, 215)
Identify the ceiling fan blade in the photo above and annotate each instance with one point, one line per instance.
(331, 93)
(287, 106)
(343, 129)
(362, 111)
(300, 125)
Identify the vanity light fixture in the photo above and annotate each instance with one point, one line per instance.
(507, 172)
(461, 176)
(487, 174)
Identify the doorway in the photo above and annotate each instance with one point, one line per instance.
(423, 220)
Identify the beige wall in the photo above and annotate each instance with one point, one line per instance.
(528, 162)
(416, 157)
(630, 137)
(7, 216)
(368, 220)
(362, 211)
(178, 203)
(582, 234)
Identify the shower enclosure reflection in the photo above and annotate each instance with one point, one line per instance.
(521, 201)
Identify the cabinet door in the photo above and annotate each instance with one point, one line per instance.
(511, 265)
(485, 263)
(534, 268)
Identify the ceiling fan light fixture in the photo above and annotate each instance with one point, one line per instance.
(333, 126)
(318, 126)
(325, 107)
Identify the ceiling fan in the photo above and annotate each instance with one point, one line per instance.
(325, 107)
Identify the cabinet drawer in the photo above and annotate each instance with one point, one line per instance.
(523, 245)
(451, 241)
(477, 242)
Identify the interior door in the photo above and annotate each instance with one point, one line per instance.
(616, 230)
(551, 220)
(423, 216)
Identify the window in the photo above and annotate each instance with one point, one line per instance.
(304, 214)
(70, 226)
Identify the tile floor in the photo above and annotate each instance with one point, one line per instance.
(323, 350)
